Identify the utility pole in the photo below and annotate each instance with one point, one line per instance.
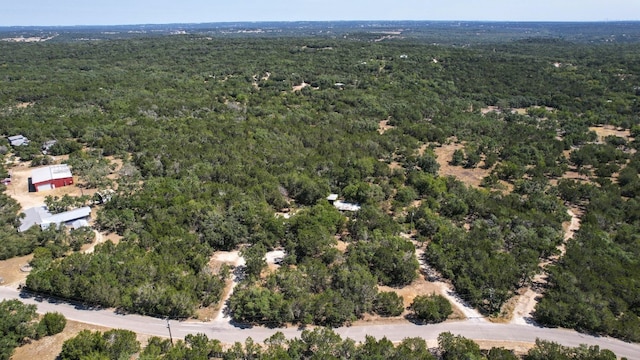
(169, 327)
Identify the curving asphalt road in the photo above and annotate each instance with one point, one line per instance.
(228, 333)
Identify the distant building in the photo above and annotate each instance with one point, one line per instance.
(50, 177)
(39, 215)
(47, 145)
(345, 206)
(341, 205)
(18, 140)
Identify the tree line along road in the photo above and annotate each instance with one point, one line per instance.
(228, 333)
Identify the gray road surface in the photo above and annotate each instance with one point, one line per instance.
(227, 333)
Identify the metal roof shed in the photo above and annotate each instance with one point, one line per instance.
(50, 177)
(66, 217)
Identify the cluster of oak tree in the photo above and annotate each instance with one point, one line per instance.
(319, 343)
(19, 324)
(214, 141)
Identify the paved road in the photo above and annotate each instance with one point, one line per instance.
(225, 332)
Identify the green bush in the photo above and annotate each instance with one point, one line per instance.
(431, 308)
(52, 323)
(388, 303)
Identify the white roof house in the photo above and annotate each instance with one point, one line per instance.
(41, 216)
(33, 216)
(18, 140)
(332, 197)
(345, 206)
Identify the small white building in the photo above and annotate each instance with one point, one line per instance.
(341, 205)
(345, 206)
(18, 140)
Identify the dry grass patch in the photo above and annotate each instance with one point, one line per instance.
(418, 287)
(471, 177)
(10, 270)
(607, 130)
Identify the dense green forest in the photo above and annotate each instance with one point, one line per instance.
(215, 140)
(319, 343)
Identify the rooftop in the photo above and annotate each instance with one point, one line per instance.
(50, 173)
(41, 216)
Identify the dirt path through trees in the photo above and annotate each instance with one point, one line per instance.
(446, 289)
(526, 302)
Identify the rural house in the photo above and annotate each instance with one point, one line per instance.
(39, 215)
(18, 140)
(47, 145)
(50, 177)
(341, 205)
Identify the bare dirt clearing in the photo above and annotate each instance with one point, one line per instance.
(607, 130)
(19, 190)
(383, 126)
(469, 176)
(472, 176)
(460, 308)
(10, 270)
(220, 258)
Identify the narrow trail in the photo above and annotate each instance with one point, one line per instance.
(527, 301)
(446, 289)
(234, 259)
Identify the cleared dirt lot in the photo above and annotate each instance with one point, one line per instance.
(472, 177)
(10, 270)
(19, 188)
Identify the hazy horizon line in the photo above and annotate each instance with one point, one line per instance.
(324, 21)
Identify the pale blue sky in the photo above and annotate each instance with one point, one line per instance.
(116, 12)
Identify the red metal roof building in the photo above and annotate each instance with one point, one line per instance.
(51, 177)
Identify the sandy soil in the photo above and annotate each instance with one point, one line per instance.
(299, 87)
(19, 190)
(606, 130)
(10, 270)
(383, 126)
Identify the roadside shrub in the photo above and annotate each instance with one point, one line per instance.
(51, 324)
(388, 303)
(431, 308)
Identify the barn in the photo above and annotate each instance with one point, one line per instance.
(50, 177)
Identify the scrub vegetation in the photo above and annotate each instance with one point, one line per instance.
(216, 135)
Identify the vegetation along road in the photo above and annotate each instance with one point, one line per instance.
(228, 333)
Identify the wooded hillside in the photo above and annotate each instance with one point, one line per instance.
(218, 134)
